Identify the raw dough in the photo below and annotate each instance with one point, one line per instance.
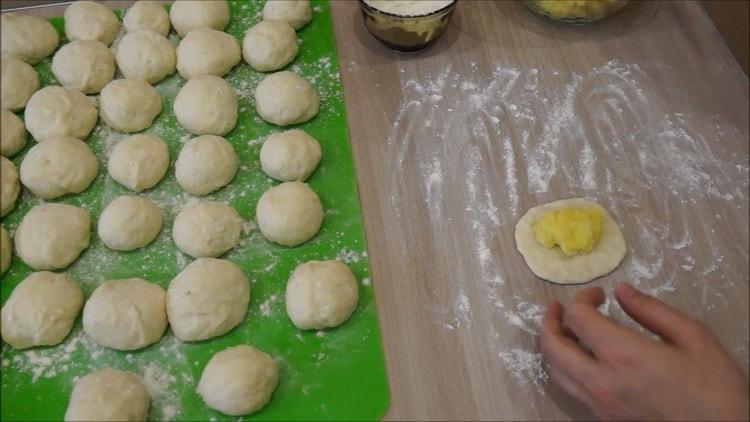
(206, 51)
(284, 98)
(289, 214)
(129, 222)
(296, 12)
(205, 164)
(147, 14)
(139, 162)
(238, 380)
(19, 81)
(6, 250)
(129, 105)
(58, 166)
(41, 310)
(147, 55)
(206, 105)
(13, 134)
(87, 20)
(321, 294)
(86, 65)
(187, 15)
(207, 229)
(108, 395)
(29, 38)
(51, 236)
(270, 45)
(9, 186)
(290, 156)
(57, 111)
(126, 314)
(553, 265)
(207, 299)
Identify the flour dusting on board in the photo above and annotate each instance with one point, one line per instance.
(509, 136)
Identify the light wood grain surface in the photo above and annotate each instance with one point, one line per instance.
(646, 113)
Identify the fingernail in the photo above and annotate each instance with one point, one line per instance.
(626, 289)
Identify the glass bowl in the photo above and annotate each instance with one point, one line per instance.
(403, 29)
(575, 11)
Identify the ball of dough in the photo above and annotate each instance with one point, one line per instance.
(86, 65)
(139, 162)
(126, 314)
(147, 14)
(552, 264)
(147, 55)
(206, 105)
(6, 250)
(289, 214)
(290, 156)
(12, 134)
(129, 222)
(9, 186)
(206, 51)
(108, 395)
(187, 15)
(207, 299)
(321, 294)
(29, 38)
(87, 20)
(238, 380)
(129, 105)
(207, 229)
(41, 310)
(284, 99)
(19, 81)
(58, 166)
(270, 45)
(57, 111)
(296, 12)
(205, 164)
(51, 236)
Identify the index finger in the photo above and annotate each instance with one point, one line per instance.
(560, 351)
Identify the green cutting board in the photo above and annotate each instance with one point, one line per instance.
(335, 374)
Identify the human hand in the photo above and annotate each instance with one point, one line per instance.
(621, 374)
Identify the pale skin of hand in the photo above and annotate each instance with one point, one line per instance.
(624, 375)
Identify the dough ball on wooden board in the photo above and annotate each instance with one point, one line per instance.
(295, 12)
(129, 222)
(52, 236)
(270, 45)
(58, 166)
(139, 162)
(284, 99)
(289, 214)
(207, 299)
(28, 38)
(129, 105)
(10, 186)
(6, 249)
(206, 51)
(321, 294)
(86, 65)
(147, 55)
(108, 395)
(41, 310)
(206, 105)
(553, 265)
(187, 15)
(147, 14)
(19, 81)
(290, 156)
(238, 380)
(205, 164)
(88, 20)
(57, 111)
(126, 314)
(207, 229)
(12, 133)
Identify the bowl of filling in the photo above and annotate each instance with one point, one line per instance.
(575, 11)
(407, 25)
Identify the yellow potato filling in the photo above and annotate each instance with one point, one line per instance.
(559, 9)
(575, 230)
